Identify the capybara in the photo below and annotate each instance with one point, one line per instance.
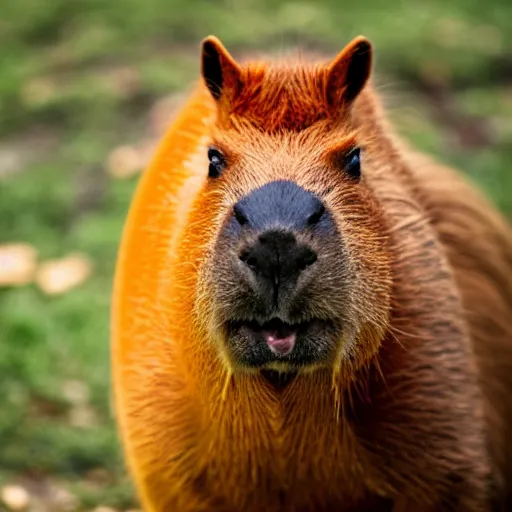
(309, 315)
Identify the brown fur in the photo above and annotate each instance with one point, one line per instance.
(414, 414)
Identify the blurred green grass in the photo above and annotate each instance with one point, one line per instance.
(444, 67)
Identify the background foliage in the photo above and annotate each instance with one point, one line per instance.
(87, 86)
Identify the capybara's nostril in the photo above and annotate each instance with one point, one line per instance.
(239, 214)
(318, 211)
(305, 258)
(249, 258)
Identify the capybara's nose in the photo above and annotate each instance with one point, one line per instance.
(278, 213)
(276, 256)
(279, 204)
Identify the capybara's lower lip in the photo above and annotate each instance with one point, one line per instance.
(276, 340)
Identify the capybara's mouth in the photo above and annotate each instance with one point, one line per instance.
(275, 342)
(279, 336)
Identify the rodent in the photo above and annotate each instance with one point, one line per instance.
(309, 315)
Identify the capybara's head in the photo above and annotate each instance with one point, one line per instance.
(295, 274)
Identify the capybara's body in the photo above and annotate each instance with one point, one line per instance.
(379, 376)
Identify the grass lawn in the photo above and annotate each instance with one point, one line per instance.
(78, 79)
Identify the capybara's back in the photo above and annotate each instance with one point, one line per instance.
(308, 315)
(478, 243)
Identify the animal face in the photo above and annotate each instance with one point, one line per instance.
(296, 276)
(281, 241)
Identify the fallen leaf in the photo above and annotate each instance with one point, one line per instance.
(76, 392)
(46, 495)
(64, 500)
(15, 497)
(17, 264)
(58, 276)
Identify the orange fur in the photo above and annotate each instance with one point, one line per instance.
(413, 413)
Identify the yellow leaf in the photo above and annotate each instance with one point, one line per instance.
(76, 392)
(58, 276)
(17, 264)
(15, 497)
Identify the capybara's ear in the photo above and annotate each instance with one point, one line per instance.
(348, 72)
(220, 71)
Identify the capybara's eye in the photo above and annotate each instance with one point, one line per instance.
(217, 163)
(353, 163)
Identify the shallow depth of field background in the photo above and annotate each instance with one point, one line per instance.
(86, 88)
